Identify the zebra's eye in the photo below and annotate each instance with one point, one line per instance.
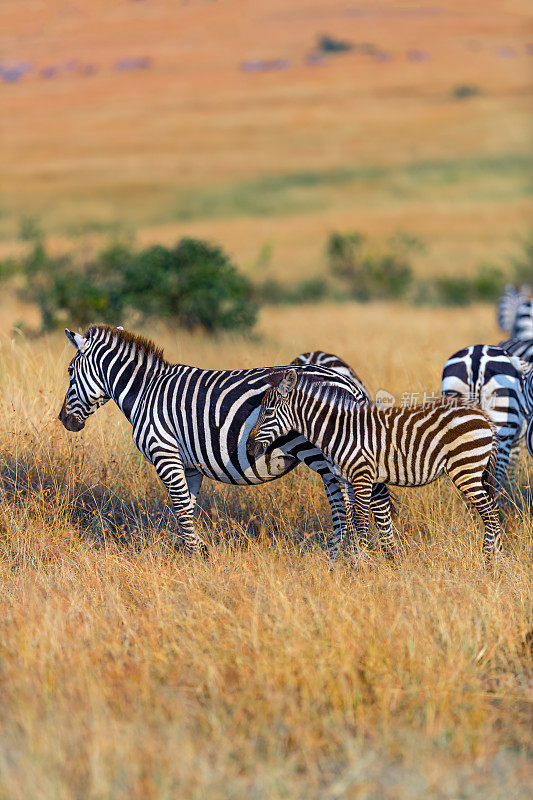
(269, 412)
(70, 370)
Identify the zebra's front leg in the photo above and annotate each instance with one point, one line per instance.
(501, 469)
(170, 469)
(194, 483)
(514, 455)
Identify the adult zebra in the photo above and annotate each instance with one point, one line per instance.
(401, 446)
(490, 377)
(508, 305)
(189, 422)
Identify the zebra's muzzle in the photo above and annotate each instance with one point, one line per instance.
(70, 421)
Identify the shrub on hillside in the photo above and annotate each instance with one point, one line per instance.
(194, 284)
(371, 274)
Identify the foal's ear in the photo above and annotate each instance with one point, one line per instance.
(76, 339)
(288, 382)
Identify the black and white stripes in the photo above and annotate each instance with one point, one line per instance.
(509, 312)
(488, 376)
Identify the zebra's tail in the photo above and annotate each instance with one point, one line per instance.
(488, 478)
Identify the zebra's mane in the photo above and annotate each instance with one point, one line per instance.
(329, 392)
(142, 345)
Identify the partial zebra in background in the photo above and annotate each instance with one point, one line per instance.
(490, 377)
(400, 446)
(521, 348)
(190, 422)
(381, 500)
(331, 361)
(509, 303)
(523, 321)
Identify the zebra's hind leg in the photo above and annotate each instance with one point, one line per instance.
(170, 470)
(381, 510)
(474, 492)
(363, 495)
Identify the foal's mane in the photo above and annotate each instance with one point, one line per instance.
(143, 345)
(320, 386)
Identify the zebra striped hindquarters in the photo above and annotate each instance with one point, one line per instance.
(400, 446)
(492, 379)
(190, 422)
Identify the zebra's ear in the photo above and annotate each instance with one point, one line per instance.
(76, 339)
(288, 382)
(522, 366)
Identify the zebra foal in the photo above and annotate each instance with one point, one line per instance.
(400, 446)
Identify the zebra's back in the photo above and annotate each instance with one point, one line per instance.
(331, 361)
(521, 348)
(415, 446)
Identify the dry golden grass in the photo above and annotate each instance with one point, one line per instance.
(131, 672)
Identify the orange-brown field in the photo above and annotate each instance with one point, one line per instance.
(130, 671)
(193, 144)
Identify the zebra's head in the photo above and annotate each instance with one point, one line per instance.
(274, 415)
(86, 392)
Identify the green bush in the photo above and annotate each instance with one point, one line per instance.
(272, 292)
(370, 274)
(328, 44)
(453, 291)
(489, 284)
(465, 90)
(195, 284)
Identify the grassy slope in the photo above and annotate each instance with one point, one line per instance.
(193, 145)
(127, 672)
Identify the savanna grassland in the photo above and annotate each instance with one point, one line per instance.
(128, 670)
(374, 139)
